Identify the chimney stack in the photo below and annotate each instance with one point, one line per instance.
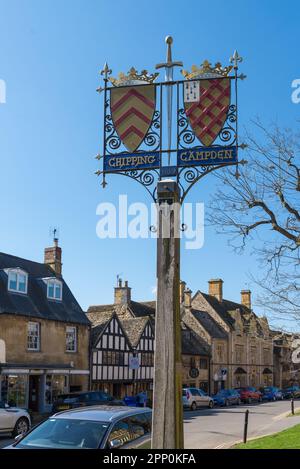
(246, 298)
(216, 288)
(52, 257)
(188, 298)
(182, 290)
(122, 293)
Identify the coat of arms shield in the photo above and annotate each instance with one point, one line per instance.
(207, 100)
(132, 107)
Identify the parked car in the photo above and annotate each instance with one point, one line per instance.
(82, 399)
(249, 394)
(271, 393)
(13, 420)
(193, 398)
(103, 427)
(226, 397)
(291, 391)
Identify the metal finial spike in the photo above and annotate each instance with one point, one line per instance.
(106, 71)
(235, 59)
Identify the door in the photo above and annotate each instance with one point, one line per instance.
(33, 401)
(117, 390)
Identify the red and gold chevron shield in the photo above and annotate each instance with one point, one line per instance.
(208, 115)
(132, 109)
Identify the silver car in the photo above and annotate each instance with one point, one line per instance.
(105, 427)
(194, 398)
(13, 420)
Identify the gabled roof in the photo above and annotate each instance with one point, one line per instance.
(221, 308)
(134, 328)
(99, 326)
(36, 304)
(209, 324)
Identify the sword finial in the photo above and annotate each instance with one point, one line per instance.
(168, 66)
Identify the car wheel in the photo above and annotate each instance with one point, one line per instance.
(194, 406)
(274, 398)
(211, 404)
(21, 427)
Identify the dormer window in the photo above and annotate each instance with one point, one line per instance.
(17, 281)
(54, 290)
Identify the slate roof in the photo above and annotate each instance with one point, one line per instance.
(222, 308)
(192, 344)
(146, 308)
(35, 304)
(209, 324)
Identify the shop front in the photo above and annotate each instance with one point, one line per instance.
(35, 388)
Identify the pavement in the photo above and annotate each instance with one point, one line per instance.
(222, 427)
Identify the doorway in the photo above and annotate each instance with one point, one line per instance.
(33, 399)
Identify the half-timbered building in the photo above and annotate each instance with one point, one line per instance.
(126, 329)
(111, 351)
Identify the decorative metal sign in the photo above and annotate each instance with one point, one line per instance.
(139, 140)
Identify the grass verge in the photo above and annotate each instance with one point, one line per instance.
(287, 439)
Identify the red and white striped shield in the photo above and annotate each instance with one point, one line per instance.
(207, 114)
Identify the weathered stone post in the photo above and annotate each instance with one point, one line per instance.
(167, 428)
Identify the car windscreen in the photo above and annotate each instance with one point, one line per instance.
(65, 433)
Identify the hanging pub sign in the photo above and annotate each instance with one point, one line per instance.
(143, 140)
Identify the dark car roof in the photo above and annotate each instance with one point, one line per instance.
(101, 413)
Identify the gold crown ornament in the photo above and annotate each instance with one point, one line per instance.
(134, 78)
(206, 71)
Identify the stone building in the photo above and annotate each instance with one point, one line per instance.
(133, 335)
(243, 354)
(44, 334)
(286, 359)
(212, 333)
(224, 344)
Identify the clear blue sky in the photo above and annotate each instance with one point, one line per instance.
(50, 55)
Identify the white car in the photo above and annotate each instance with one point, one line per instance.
(13, 420)
(193, 398)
